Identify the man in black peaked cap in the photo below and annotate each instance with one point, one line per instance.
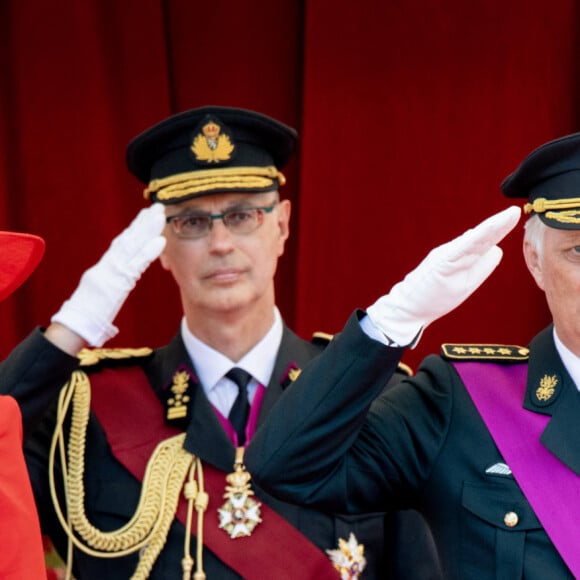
(483, 439)
(139, 472)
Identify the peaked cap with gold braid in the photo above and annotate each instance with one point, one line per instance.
(211, 150)
(550, 178)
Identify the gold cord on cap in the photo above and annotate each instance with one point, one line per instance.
(543, 205)
(228, 178)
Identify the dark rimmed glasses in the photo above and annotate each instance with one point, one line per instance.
(239, 221)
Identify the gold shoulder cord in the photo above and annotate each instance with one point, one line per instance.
(167, 470)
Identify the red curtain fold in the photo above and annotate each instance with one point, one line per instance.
(410, 114)
(79, 80)
(413, 114)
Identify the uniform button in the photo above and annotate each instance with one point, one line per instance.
(511, 519)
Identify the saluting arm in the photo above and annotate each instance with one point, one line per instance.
(36, 369)
(301, 452)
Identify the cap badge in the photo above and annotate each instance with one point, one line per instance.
(547, 388)
(349, 559)
(211, 144)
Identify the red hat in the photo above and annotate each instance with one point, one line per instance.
(19, 255)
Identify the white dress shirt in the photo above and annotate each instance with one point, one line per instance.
(570, 360)
(211, 365)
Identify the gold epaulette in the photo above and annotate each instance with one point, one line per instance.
(93, 356)
(321, 338)
(485, 352)
(405, 369)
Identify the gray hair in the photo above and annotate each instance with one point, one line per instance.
(534, 233)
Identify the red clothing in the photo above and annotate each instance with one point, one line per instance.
(21, 552)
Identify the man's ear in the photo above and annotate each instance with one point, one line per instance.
(534, 263)
(163, 260)
(283, 213)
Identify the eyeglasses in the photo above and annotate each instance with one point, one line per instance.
(193, 226)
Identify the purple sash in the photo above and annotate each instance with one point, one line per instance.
(551, 487)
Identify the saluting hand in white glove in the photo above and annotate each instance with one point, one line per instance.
(103, 289)
(443, 280)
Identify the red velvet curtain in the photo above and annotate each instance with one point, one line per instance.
(410, 114)
(79, 80)
(413, 114)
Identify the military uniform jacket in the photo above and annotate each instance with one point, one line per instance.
(112, 492)
(422, 444)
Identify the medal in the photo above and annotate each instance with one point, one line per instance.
(240, 514)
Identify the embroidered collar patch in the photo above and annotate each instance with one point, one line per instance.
(177, 398)
(547, 391)
(290, 375)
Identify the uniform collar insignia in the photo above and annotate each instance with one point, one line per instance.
(547, 390)
(547, 377)
(290, 375)
(177, 398)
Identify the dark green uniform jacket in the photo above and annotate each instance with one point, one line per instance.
(112, 492)
(421, 445)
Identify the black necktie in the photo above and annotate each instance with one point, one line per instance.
(238, 416)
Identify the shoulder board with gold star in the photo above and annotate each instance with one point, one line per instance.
(94, 356)
(485, 352)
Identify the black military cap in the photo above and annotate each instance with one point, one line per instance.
(211, 150)
(550, 178)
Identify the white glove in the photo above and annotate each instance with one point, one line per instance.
(104, 288)
(443, 280)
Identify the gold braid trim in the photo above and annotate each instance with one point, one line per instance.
(565, 217)
(198, 498)
(164, 476)
(182, 184)
(93, 356)
(172, 489)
